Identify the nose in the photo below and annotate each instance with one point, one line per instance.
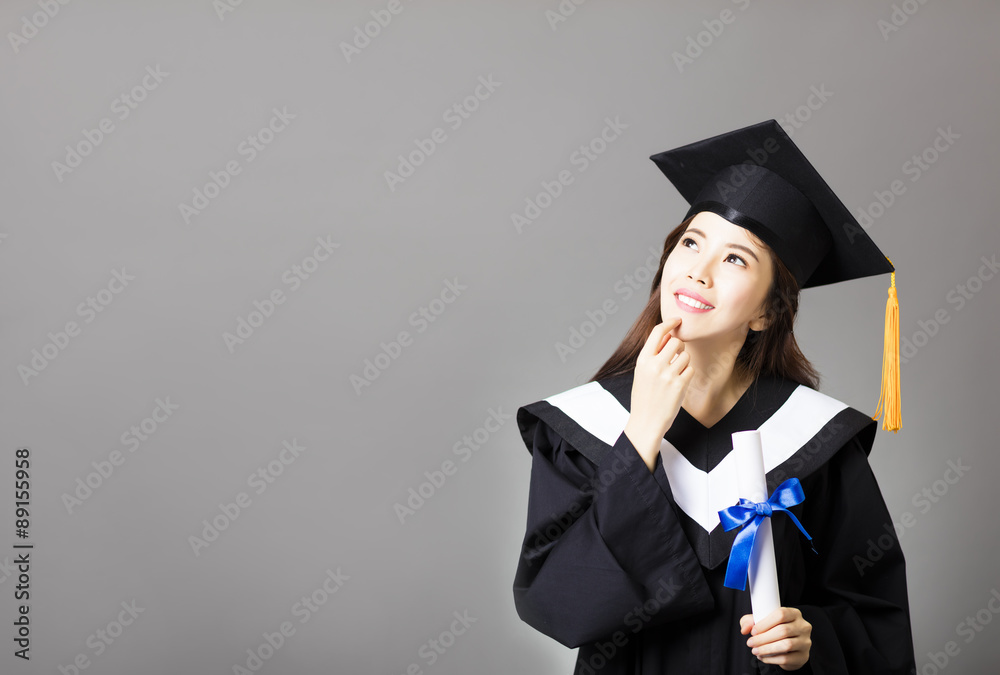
(698, 272)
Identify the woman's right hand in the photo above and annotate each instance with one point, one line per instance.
(658, 389)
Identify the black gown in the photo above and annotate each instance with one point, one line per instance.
(629, 565)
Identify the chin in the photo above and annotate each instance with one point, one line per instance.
(680, 331)
(670, 317)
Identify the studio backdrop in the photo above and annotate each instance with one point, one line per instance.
(276, 276)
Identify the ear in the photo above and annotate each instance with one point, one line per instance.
(759, 323)
(762, 320)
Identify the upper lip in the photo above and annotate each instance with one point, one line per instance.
(692, 294)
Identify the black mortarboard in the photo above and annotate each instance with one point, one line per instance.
(757, 178)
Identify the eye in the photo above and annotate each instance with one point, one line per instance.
(733, 255)
(685, 240)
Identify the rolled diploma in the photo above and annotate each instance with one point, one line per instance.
(763, 571)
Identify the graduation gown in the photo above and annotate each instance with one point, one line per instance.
(629, 565)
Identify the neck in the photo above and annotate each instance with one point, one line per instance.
(715, 387)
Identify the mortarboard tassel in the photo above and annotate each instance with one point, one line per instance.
(890, 363)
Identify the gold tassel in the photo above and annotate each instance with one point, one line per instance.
(890, 363)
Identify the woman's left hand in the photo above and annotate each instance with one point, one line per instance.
(781, 637)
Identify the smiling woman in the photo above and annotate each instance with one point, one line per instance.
(630, 470)
(732, 290)
(753, 298)
(732, 302)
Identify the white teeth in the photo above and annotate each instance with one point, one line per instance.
(691, 301)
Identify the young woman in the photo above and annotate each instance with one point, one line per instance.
(624, 554)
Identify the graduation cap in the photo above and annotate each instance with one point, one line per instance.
(757, 178)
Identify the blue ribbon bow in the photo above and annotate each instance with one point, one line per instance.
(752, 514)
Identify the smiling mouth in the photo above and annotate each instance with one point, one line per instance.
(691, 302)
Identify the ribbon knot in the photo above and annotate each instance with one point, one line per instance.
(749, 515)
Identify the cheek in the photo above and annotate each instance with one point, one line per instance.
(670, 270)
(747, 301)
(740, 298)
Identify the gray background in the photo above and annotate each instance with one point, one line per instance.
(492, 348)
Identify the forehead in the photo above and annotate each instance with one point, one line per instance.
(716, 227)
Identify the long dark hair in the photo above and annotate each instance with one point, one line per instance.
(772, 351)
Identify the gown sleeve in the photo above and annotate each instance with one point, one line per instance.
(856, 587)
(603, 550)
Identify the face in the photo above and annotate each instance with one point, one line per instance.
(715, 263)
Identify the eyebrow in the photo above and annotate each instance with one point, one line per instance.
(731, 245)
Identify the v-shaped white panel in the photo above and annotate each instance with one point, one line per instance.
(595, 409)
(703, 494)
